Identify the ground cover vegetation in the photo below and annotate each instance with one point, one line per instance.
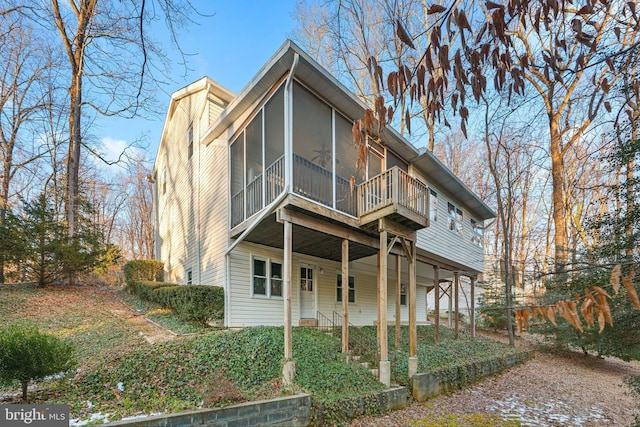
(121, 374)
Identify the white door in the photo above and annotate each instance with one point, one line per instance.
(307, 292)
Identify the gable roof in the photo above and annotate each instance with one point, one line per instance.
(313, 74)
(204, 83)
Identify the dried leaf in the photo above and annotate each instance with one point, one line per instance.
(600, 291)
(587, 312)
(601, 320)
(615, 278)
(603, 306)
(491, 5)
(627, 281)
(403, 35)
(572, 312)
(551, 314)
(435, 8)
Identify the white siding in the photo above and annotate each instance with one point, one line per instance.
(439, 240)
(246, 310)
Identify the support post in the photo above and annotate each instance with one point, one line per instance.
(472, 314)
(398, 287)
(413, 334)
(289, 368)
(436, 309)
(345, 296)
(450, 304)
(456, 286)
(385, 371)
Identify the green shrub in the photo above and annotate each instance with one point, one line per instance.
(143, 270)
(191, 302)
(26, 354)
(145, 290)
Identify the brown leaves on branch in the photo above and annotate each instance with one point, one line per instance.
(593, 305)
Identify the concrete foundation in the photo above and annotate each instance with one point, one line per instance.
(385, 372)
(413, 366)
(288, 373)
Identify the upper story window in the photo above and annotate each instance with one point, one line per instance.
(455, 218)
(351, 291)
(477, 233)
(433, 205)
(266, 278)
(190, 141)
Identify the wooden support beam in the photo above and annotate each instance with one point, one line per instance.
(472, 315)
(392, 244)
(345, 296)
(456, 285)
(436, 282)
(398, 287)
(299, 218)
(286, 291)
(450, 304)
(396, 229)
(413, 334)
(382, 301)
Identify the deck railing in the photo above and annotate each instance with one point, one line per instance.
(393, 187)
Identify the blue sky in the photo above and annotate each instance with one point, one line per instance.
(229, 47)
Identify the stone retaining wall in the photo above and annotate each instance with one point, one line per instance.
(427, 385)
(291, 411)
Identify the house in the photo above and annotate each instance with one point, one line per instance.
(259, 193)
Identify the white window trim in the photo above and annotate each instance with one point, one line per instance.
(355, 294)
(433, 195)
(457, 222)
(477, 238)
(403, 286)
(268, 261)
(186, 276)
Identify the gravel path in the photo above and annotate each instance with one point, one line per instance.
(549, 390)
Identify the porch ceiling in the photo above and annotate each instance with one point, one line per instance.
(306, 241)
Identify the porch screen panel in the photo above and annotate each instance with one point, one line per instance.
(254, 165)
(312, 147)
(346, 157)
(274, 145)
(237, 180)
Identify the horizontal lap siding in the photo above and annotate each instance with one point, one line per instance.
(255, 311)
(439, 240)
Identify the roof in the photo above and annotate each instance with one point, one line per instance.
(204, 83)
(313, 74)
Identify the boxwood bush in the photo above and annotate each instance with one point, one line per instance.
(144, 269)
(191, 302)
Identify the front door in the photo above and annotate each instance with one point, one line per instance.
(307, 292)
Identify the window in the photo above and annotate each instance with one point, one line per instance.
(403, 294)
(455, 218)
(433, 205)
(352, 289)
(477, 233)
(266, 278)
(306, 279)
(189, 275)
(190, 140)
(259, 277)
(276, 279)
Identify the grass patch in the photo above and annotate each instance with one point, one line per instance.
(162, 316)
(476, 419)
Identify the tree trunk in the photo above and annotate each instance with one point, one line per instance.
(25, 384)
(561, 239)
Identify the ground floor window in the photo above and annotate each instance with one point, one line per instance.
(403, 294)
(352, 289)
(266, 278)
